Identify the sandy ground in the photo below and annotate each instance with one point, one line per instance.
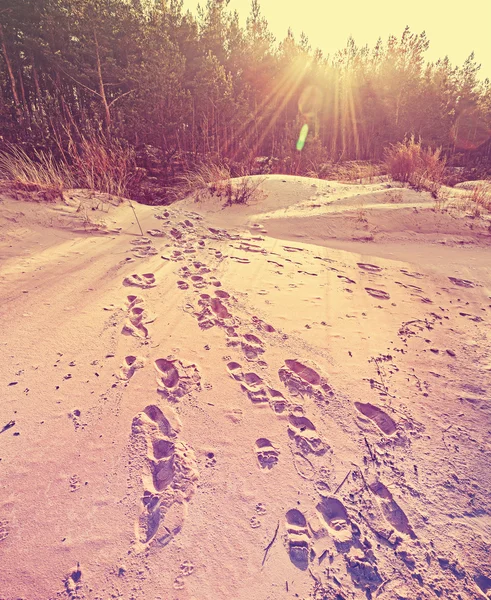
(289, 399)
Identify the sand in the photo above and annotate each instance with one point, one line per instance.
(289, 399)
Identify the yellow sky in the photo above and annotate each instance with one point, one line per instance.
(453, 28)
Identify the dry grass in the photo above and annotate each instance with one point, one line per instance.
(98, 163)
(409, 162)
(480, 196)
(39, 175)
(215, 180)
(93, 162)
(394, 196)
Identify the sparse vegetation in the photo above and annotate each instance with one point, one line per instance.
(100, 163)
(39, 175)
(480, 196)
(409, 162)
(215, 179)
(394, 196)
(94, 162)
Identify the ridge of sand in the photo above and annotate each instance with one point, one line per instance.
(214, 412)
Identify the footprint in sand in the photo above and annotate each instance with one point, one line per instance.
(292, 249)
(143, 251)
(370, 268)
(411, 274)
(219, 309)
(303, 380)
(383, 421)
(262, 326)
(278, 402)
(303, 466)
(267, 454)
(391, 510)
(73, 584)
(147, 280)
(130, 365)
(250, 383)
(297, 538)
(253, 385)
(334, 516)
(4, 530)
(483, 582)
(235, 370)
(156, 232)
(142, 241)
(242, 261)
(176, 378)
(462, 282)
(137, 319)
(346, 279)
(182, 285)
(304, 433)
(252, 346)
(222, 294)
(75, 483)
(169, 476)
(379, 294)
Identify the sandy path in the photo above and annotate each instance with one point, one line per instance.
(177, 412)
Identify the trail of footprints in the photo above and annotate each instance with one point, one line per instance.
(167, 465)
(169, 477)
(170, 472)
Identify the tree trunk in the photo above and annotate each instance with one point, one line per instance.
(102, 92)
(15, 96)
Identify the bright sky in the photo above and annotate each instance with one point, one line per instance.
(453, 28)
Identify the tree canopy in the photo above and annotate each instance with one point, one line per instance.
(148, 72)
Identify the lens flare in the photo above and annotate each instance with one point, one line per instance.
(302, 137)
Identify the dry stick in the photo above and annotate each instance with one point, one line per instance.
(136, 216)
(369, 449)
(270, 544)
(342, 482)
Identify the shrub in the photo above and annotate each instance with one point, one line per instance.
(422, 168)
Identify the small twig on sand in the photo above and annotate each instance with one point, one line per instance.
(268, 547)
(342, 482)
(369, 449)
(136, 216)
(362, 476)
(316, 579)
(7, 426)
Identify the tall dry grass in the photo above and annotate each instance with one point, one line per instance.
(38, 173)
(99, 163)
(423, 168)
(92, 161)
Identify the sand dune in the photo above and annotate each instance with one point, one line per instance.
(288, 399)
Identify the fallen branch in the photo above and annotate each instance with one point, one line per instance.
(268, 547)
(369, 449)
(342, 482)
(136, 216)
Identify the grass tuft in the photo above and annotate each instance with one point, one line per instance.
(422, 168)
